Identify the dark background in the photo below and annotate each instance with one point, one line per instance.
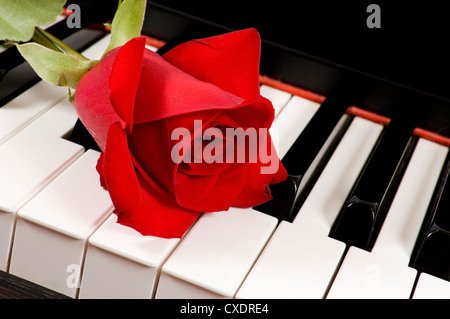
(410, 47)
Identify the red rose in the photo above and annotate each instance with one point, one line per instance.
(133, 101)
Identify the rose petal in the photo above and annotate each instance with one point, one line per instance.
(258, 113)
(166, 91)
(99, 168)
(202, 169)
(256, 190)
(124, 79)
(92, 100)
(260, 175)
(210, 193)
(230, 61)
(136, 202)
(150, 145)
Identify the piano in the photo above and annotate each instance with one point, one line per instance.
(363, 123)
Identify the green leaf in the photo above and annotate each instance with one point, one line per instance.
(55, 67)
(127, 22)
(19, 17)
(46, 39)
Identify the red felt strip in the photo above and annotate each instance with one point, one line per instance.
(155, 42)
(356, 111)
(67, 12)
(291, 89)
(432, 136)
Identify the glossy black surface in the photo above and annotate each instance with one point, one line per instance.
(407, 49)
(432, 250)
(284, 194)
(13, 287)
(365, 209)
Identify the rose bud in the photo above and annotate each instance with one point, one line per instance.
(162, 124)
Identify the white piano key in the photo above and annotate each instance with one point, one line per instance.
(22, 110)
(384, 272)
(121, 263)
(52, 229)
(288, 125)
(277, 97)
(431, 287)
(31, 157)
(95, 51)
(300, 258)
(151, 48)
(214, 257)
(29, 161)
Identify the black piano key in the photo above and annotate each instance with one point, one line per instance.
(307, 157)
(283, 194)
(365, 209)
(431, 253)
(308, 180)
(81, 136)
(16, 81)
(306, 147)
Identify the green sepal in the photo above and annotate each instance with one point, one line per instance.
(48, 40)
(55, 67)
(127, 23)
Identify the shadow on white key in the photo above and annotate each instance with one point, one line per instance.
(384, 272)
(277, 97)
(431, 287)
(121, 263)
(52, 229)
(291, 122)
(215, 256)
(300, 259)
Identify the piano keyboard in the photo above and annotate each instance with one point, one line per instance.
(57, 228)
